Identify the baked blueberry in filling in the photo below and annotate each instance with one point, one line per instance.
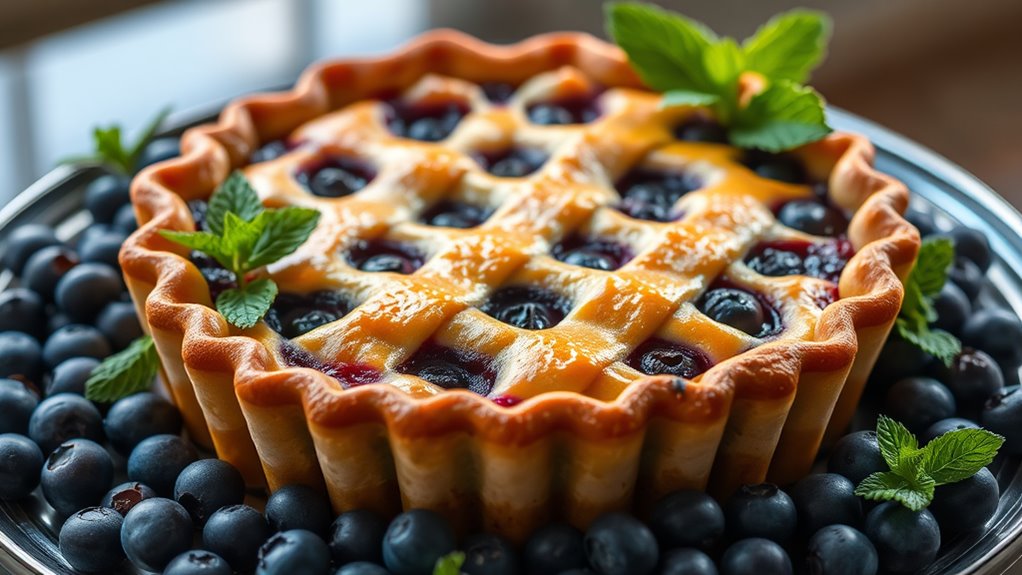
(527, 307)
(425, 122)
(576, 110)
(823, 260)
(198, 209)
(813, 217)
(335, 176)
(453, 214)
(701, 129)
(512, 162)
(385, 256)
(451, 368)
(743, 310)
(661, 357)
(498, 92)
(349, 374)
(293, 314)
(269, 151)
(591, 252)
(651, 195)
(780, 167)
(218, 278)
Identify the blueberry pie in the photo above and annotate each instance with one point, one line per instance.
(532, 293)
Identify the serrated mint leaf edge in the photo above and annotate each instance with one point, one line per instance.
(243, 307)
(976, 449)
(236, 195)
(128, 371)
(890, 486)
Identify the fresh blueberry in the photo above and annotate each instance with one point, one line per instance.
(998, 332)
(973, 378)
(953, 308)
(966, 505)
(919, 402)
(20, 354)
(357, 536)
(105, 195)
(755, 556)
(196, 562)
(1002, 414)
(701, 130)
(841, 550)
(619, 544)
(125, 221)
(20, 464)
(76, 475)
(17, 403)
(687, 561)
(967, 276)
(687, 518)
(90, 540)
(945, 425)
(62, 417)
(486, 554)
(362, 568)
(158, 460)
(86, 289)
(236, 533)
(23, 242)
(158, 150)
(55, 322)
(761, 510)
(75, 340)
(972, 244)
(856, 456)
(207, 485)
(415, 540)
(823, 499)
(294, 551)
(554, 548)
(70, 375)
(137, 417)
(118, 322)
(734, 307)
(156, 531)
(23, 310)
(923, 221)
(905, 540)
(299, 507)
(126, 496)
(780, 167)
(102, 247)
(899, 359)
(812, 217)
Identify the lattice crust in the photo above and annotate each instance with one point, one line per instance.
(600, 430)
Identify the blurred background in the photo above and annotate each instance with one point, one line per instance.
(946, 73)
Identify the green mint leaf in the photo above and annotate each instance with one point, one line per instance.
(666, 49)
(205, 242)
(449, 564)
(234, 195)
(935, 342)
(724, 62)
(889, 486)
(126, 372)
(145, 137)
(281, 234)
(109, 149)
(923, 284)
(898, 446)
(935, 258)
(243, 307)
(687, 98)
(959, 454)
(783, 116)
(239, 239)
(789, 46)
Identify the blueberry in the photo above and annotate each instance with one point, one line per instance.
(687, 518)
(154, 532)
(70, 375)
(236, 533)
(198, 562)
(357, 536)
(761, 510)
(20, 464)
(451, 214)
(590, 259)
(619, 544)
(486, 553)
(17, 403)
(207, 485)
(905, 540)
(701, 130)
(86, 289)
(923, 221)
(919, 402)
(972, 244)
(20, 354)
(299, 507)
(23, 310)
(554, 548)
(899, 359)
(335, 182)
(137, 417)
(823, 499)
(76, 475)
(158, 460)
(90, 540)
(126, 496)
(755, 556)
(953, 308)
(812, 217)
(294, 551)
(967, 276)
(118, 322)
(527, 307)
(1003, 415)
(105, 195)
(998, 332)
(966, 505)
(362, 568)
(158, 150)
(102, 247)
(945, 425)
(125, 221)
(74, 340)
(55, 322)
(687, 561)
(973, 378)
(778, 167)
(23, 242)
(415, 540)
(661, 357)
(736, 308)
(856, 456)
(62, 417)
(841, 550)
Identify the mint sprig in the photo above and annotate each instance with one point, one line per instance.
(917, 312)
(244, 237)
(693, 67)
(110, 150)
(915, 473)
(126, 372)
(449, 564)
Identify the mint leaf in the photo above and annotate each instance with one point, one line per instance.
(923, 284)
(936, 342)
(889, 486)
(239, 239)
(935, 258)
(245, 306)
(789, 46)
(210, 244)
(449, 564)
(783, 116)
(282, 232)
(147, 135)
(126, 372)
(959, 454)
(898, 446)
(234, 195)
(687, 98)
(109, 148)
